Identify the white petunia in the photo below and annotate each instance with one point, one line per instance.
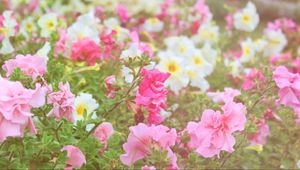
(181, 46)
(44, 51)
(6, 31)
(247, 19)
(207, 33)
(153, 25)
(48, 24)
(209, 53)
(276, 41)
(127, 73)
(131, 52)
(85, 102)
(28, 27)
(248, 50)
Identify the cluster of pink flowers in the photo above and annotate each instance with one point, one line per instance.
(30, 65)
(85, 50)
(152, 94)
(75, 157)
(143, 139)
(214, 132)
(283, 24)
(15, 105)
(251, 77)
(63, 103)
(289, 88)
(222, 97)
(103, 132)
(260, 137)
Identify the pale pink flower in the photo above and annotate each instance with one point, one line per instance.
(229, 22)
(122, 12)
(222, 97)
(250, 78)
(103, 132)
(85, 50)
(76, 157)
(152, 93)
(110, 88)
(143, 139)
(63, 103)
(60, 45)
(214, 132)
(15, 105)
(289, 88)
(33, 66)
(279, 57)
(260, 137)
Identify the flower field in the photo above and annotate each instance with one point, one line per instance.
(140, 84)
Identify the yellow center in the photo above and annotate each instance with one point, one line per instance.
(172, 67)
(246, 19)
(212, 36)
(3, 30)
(80, 110)
(182, 49)
(50, 24)
(246, 50)
(274, 40)
(191, 74)
(153, 21)
(28, 27)
(197, 60)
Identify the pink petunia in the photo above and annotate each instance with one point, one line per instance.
(143, 139)
(214, 132)
(76, 157)
(103, 132)
(260, 137)
(152, 93)
(85, 50)
(122, 13)
(222, 97)
(253, 75)
(60, 45)
(33, 66)
(110, 88)
(15, 105)
(63, 103)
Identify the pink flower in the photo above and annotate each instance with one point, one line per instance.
(109, 44)
(143, 139)
(15, 104)
(76, 157)
(104, 131)
(122, 12)
(85, 50)
(146, 167)
(260, 136)
(33, 66)
(222, 97)
(229, 22)
(214, 132)
(109, 84)
(253, 75)
(63, 103)
(289, 88)
(278, 57)
(60, 45)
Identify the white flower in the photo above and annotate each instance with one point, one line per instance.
(248, 50)
(181, 46)
(111, 22)
(197, 79)
(247, 19)
(174, 65)
(207, 33)
(85, 102)
(260, 45)
(209, 53)
(131, 52)
(165, 114)
(127, 73)
(276, 41)
(298, 164)
(235, 66)
(153, 25)
(7, 30)
(44, 51)
(48, 24)
(28, 27)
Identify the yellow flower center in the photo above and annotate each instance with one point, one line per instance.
(80, 110)
(191, 74)
(50, 24)
(246, 50)
(197, 60)
(173, 67)
(3, 30)
(212, 36)
(28, 27)
(153, 21)
(182, 49)
(246, 19)
(274, 40)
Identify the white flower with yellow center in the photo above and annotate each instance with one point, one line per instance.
(247, 19)
(7, 30)
(48, 24)
(153, 25)
(181, 46)
(210, 54)
(199, 63)
(207, 33)
(28, 27)
(248, 50)
(85, 103)
(276, 41)
(174, 65)
(197, 79)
